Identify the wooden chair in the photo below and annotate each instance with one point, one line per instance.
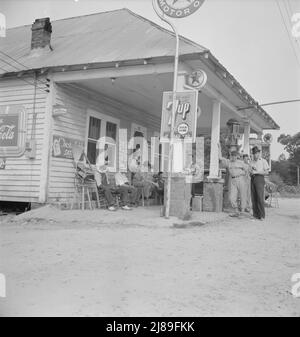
(84, 180)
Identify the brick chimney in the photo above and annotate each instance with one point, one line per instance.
(41, 33)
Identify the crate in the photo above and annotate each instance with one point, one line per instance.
(197, 203)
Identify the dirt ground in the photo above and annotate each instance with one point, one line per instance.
(98, 263)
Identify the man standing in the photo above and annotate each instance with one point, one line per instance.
(237, 170)
(247, 178)
(259, 168)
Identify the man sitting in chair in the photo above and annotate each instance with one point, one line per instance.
(159, 185)
(127, 191)
(122, 187)
(143, 181)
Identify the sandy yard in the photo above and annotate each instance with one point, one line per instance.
(97, 263)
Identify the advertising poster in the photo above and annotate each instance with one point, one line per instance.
(62, 147)
(185, 116)
(12, 130)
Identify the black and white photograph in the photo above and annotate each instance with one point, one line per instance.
(150, 160)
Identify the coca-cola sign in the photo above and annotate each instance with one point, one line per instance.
(12, 130)
(9, 130)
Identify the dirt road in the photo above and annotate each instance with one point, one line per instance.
(94, 263)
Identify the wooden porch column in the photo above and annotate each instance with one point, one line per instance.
(178, 154)
(213, 184)
(246, 147)
(260, 140)
(215, 139)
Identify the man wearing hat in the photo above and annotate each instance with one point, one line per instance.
(258, 169)
(237, 188)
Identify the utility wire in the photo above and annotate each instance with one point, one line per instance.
(11, 65)
(273, 103)
(288, 33)
(22, 79)
(16, 61)
(291, 14)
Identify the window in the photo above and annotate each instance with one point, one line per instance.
(102, 138)
(93, 136)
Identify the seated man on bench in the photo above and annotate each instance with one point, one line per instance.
(127, 191)
(122, 187)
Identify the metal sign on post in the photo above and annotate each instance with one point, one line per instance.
(179, 8)
(174, 9)
(196, 80)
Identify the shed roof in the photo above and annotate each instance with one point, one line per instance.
(97, 38)
(101, 38)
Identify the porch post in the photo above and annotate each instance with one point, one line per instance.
(260, 140)
(246, 147)
(178, 148)
(213, 184)
(215, 139)
(180, 195)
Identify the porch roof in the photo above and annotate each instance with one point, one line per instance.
(104, 39)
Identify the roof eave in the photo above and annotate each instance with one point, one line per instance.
(238, 89)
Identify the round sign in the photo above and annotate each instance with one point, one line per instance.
(179, 8)
(197, 79)
(183, 129)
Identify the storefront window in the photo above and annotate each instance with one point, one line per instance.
(93, 136)
(102, 140)
(110, 143)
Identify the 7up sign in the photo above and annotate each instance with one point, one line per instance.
(185, 119)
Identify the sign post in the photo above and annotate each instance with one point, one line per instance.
(174, 9)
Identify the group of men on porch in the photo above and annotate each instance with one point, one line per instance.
(130, 193)
(246, 182)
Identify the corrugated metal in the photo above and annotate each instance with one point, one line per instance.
(99, 38)
(102, 37)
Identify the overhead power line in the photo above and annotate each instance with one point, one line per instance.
(22, 79)
(266, 104)
(288, 31)
(13, 66)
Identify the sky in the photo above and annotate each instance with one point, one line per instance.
(252, 38)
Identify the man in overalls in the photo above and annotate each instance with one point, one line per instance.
(237, 189)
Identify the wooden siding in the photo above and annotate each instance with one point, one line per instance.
(73, 125)
(20, 180)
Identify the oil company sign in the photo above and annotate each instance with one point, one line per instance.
(185, 122)
(12, 130)
(179, 8)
